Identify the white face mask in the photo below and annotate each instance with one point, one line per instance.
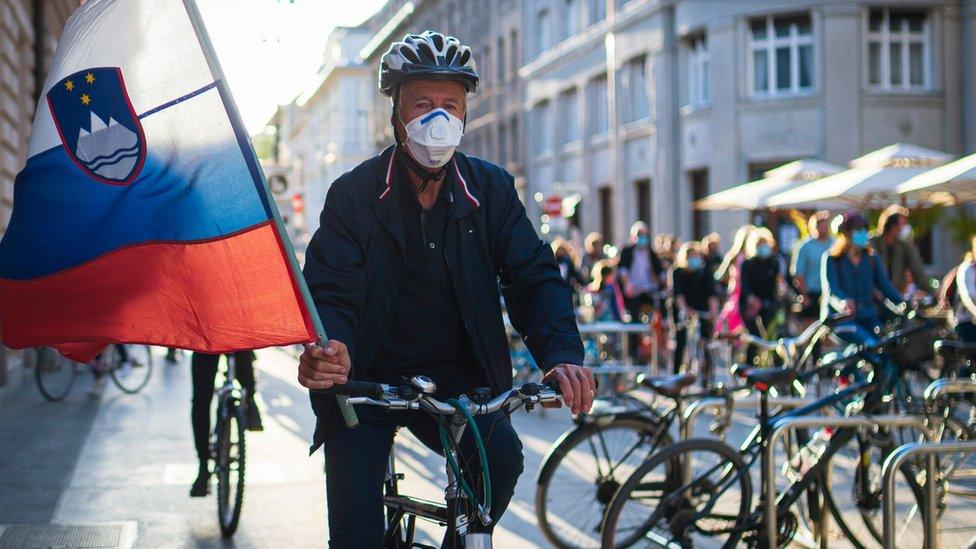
(432, 137)
(906, 232)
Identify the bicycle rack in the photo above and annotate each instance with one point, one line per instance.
(781, 427)
(942, 387)
(696, 408)
(893, 463)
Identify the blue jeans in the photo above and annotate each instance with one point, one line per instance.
(862, 332)
(356, 460)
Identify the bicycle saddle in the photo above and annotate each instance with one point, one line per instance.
(669, 386)
(764, 378)
(950, 349)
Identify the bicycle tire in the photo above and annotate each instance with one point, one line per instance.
(868, 512)
(230, 466)
(676, 511)
(602, 489)
(48, 358)
(136, 376)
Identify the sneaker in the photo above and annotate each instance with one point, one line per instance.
(201, 486)
(253, 417)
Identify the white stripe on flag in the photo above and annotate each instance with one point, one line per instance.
(152, 41)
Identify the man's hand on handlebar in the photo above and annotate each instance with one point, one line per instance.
(576, 385)
(323, 367)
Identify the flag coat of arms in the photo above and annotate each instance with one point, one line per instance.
(142, 215)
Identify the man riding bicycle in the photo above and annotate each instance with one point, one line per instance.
(405, 271)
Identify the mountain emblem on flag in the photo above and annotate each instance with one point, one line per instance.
(98, 126)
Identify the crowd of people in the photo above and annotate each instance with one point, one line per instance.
(840, 266)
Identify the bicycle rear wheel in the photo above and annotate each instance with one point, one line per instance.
(705, 505)
(853, 494)
(133, 374)
(55, 374)
(230, 466)
(582, 472)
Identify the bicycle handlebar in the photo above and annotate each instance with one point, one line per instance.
(390, 398)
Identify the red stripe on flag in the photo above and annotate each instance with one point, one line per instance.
(218, 295)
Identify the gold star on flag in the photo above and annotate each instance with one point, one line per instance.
(85, 99)
(70, 85)
(90, 78)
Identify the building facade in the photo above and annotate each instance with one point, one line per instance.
(29, 33)
(636, 108)
(325, 132)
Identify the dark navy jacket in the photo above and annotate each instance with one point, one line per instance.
(354, 264)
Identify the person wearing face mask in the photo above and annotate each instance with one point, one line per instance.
(852, 275)
(761, 285)
(414, 247)
(896, 250)
(692, 293)
(641, 271)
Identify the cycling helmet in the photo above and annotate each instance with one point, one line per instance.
(850, 220)
(430, 54)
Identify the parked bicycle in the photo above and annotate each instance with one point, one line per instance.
(710, 501)
(129, 367)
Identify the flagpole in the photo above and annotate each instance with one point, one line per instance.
(251, 157)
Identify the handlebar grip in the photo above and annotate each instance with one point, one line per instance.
(354, 388)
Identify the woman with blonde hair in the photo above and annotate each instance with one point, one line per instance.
(729, 319)
(760, 284)
(567, 259)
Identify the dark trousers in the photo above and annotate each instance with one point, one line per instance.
(966, 332)
(681, 339)
(356, 461)
(765, 316)
(634, 306)
(203, 371)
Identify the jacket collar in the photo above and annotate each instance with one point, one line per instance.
(386, 203)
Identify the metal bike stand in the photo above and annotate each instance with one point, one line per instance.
(691, 413)
(622, 329)
(781, 427)
(942, 387)
(893, 463)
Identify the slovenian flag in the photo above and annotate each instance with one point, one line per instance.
(142, 215)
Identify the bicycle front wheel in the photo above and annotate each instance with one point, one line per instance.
(133, 374)
(583, 471)
(705, 504)
(230, 466)
(55, 374)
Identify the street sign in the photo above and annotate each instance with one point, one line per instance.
(553, 205)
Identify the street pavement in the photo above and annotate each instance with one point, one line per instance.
(121, 461)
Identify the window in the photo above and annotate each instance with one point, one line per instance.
(569, 116)
(642, 191)
(633, 90)
(606, 213)
(597, 106)
(898, 49)
(542, 131)
(699, 190)
(543, 32)
(782, 55)
(515, 138)
(502, 145)
(596, 11)
(500, 63)
(485, 69)
(697, 71)
(513, 50)
(571, 18)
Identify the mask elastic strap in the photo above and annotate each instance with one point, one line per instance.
(423, 173)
